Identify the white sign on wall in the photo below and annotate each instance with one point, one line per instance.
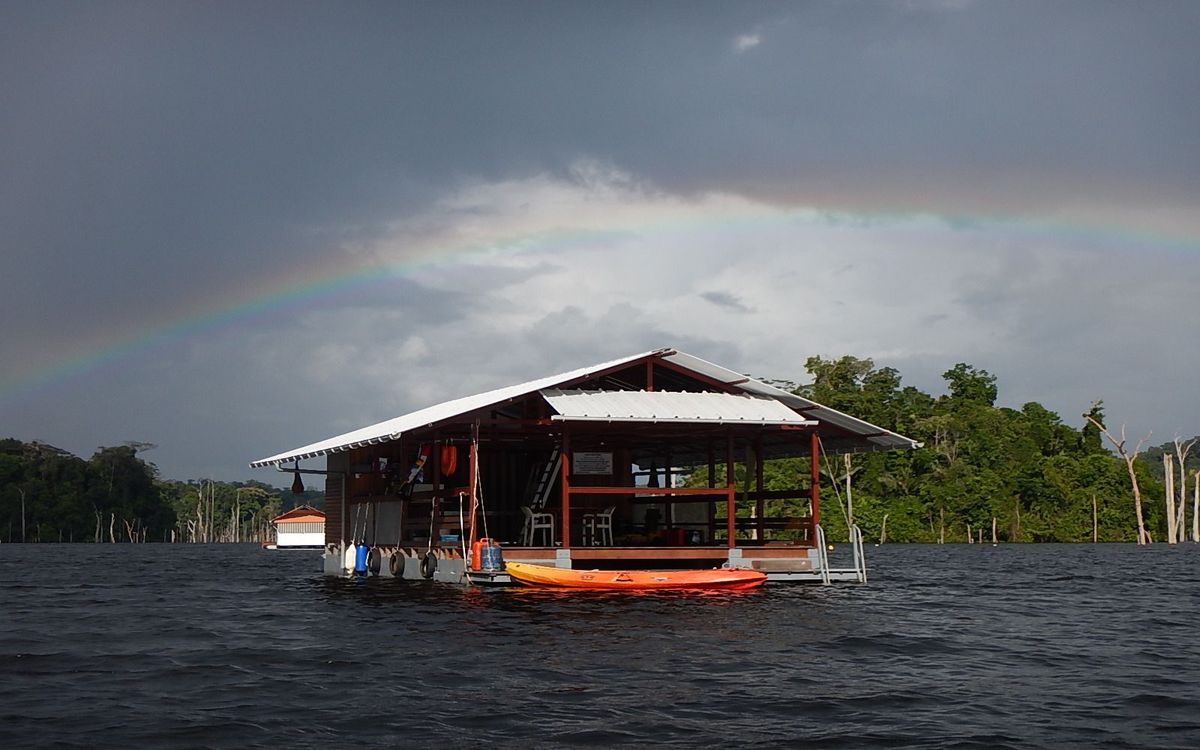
(592, 463)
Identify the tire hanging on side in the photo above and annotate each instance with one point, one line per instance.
(428, 565)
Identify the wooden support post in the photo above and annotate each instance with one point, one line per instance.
(730, 493)
(435, 504)
(566, 490)
(712, 482)
(472, 489)
(759, 503)
(814, 492)
(649, 375)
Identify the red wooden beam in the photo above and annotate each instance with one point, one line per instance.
(566, 490)
(759, 505)
(815, 474)
(730, 508)
(471, 488)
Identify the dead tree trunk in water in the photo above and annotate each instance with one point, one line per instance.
(1143, 535)
(1169, 485)
(1196, 506)
(1095, 519)
(1181, 450)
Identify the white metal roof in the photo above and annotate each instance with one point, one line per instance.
(393, 428)
(669, 406)
(875, 438)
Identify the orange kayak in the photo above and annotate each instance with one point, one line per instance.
(716, 578)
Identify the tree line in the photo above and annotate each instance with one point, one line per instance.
(1023, 472)
(1023, 475)
(49, 495)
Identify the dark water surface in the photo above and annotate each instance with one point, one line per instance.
(951, 646)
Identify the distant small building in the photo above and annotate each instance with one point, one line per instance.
(300, 528)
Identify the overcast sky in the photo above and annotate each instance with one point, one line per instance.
(234, 228)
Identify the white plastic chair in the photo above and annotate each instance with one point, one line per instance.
(597, 527)
(535, 522)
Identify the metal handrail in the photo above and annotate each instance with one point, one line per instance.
(860, 558)
(822, 554)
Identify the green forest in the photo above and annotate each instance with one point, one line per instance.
(50, 495)
(1036, 477)
(1039, 477)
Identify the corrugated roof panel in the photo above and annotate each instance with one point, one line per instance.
(874, 437)
(877, 436)
(393, 428)
(664, 406)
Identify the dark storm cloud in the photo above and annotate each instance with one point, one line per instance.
(154, 154)
(726, 300)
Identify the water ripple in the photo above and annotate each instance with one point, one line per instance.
(1053, 646)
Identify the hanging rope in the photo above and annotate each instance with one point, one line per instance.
(833, 480)
(479, 489)
(462, 536)
(355, 520)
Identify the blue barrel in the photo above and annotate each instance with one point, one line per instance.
(491, 558)
(360, 558)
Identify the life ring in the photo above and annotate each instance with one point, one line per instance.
(374, 561)
(449, 460)
(428, 565)
(396, 565)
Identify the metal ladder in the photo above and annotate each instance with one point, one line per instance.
(856, 545)
(822, 555)
(545, 480)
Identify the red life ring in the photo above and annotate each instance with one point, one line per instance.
(449, 460)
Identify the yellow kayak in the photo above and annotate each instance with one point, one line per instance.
(714, 578)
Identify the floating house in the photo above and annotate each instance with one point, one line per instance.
(300, 528)
(632, 463)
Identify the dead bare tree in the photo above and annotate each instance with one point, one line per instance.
(198, 529)
(1129, 458)
(1095, 521)
(1196, 506)
(1181, 451)
(1169, 487)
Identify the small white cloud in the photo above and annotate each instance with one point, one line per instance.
(745, 42)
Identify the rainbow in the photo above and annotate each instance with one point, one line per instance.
(297, 288)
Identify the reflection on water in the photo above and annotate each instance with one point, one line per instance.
(1012, 646)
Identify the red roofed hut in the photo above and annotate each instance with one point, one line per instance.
(300, 528)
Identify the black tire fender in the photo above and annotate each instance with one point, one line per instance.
(428, 565)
